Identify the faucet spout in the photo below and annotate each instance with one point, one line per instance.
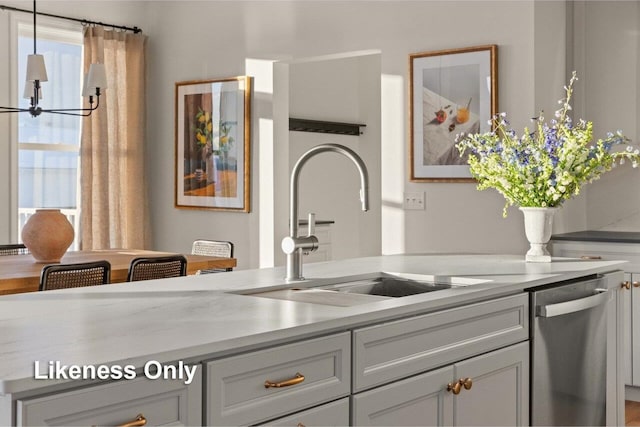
(294, 244)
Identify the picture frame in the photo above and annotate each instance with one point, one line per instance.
(451, 91)
(212, 144)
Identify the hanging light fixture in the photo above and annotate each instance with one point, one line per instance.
(94, 82)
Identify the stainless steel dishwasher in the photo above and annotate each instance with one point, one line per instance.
(569, 353)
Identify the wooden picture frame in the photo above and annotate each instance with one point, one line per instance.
(212, 144)
(451, 91)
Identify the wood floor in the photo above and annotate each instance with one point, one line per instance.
(632, 413)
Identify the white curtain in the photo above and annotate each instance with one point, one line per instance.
(113, 186)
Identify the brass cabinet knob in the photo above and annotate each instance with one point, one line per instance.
(454, 388)
(626, 284)
(466, 382)
(636, 284)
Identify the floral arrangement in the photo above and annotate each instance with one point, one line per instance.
(546, 166)
(205, 139)
(204, 132)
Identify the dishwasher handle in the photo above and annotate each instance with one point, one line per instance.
(559, 309)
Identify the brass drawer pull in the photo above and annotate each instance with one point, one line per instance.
(454, 388)
(139, 421)
(626, 284)
(293, 381)
(590, 257)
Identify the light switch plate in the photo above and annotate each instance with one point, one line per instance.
(413, 201)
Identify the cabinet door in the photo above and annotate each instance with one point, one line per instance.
(159, 402)
(619, 327)
(631, 325)
(628, 296)
(422, 400)
(499, 392)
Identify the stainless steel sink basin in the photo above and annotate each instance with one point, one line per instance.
(389, 286)
(349, 291)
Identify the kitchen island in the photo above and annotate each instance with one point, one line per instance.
(225, 327)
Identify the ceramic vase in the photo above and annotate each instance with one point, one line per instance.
(47, 234)
(537, 226)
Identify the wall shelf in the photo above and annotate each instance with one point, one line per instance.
(304, 125)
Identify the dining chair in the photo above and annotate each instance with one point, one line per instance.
(162, 267)
(13, 249)
(218, 248)
(63, 276)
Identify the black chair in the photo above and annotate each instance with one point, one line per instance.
(219, 248)
(63, 276)
(157, 268)
(14, 249)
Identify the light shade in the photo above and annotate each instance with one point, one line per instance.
(36, 69)
(97, 77)
(28, 91)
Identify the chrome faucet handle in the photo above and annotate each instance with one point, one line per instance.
(311, 227)
(291, 244)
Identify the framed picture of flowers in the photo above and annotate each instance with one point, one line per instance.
(212, 134)
(451, 92)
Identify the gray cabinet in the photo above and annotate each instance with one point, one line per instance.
(398, 349)
(261, 385)
(409, 371)
(421, 370)
(420, 400)
(159, 402)
(497, 394)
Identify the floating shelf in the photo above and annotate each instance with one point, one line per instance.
(304, 125)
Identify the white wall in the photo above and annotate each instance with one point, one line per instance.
(457, 218)
(607, 48)
(191, 40)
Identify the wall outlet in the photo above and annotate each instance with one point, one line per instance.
(413, 201)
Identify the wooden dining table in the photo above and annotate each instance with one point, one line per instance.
(21, 273)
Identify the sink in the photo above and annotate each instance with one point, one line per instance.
(388, 286)
(349, 291)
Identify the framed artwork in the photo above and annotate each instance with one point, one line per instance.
(212, 134)
(451, 92)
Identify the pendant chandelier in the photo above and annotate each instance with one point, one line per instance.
(94, 81)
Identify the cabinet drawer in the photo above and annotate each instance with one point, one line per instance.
(599, 250)
(161, 402)
(330, 414)
(235, 389)
(398, 349)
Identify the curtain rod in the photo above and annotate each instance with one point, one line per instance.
(82, 21)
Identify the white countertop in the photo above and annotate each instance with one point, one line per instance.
(196, 318)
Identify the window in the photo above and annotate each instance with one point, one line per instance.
(49, 145)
